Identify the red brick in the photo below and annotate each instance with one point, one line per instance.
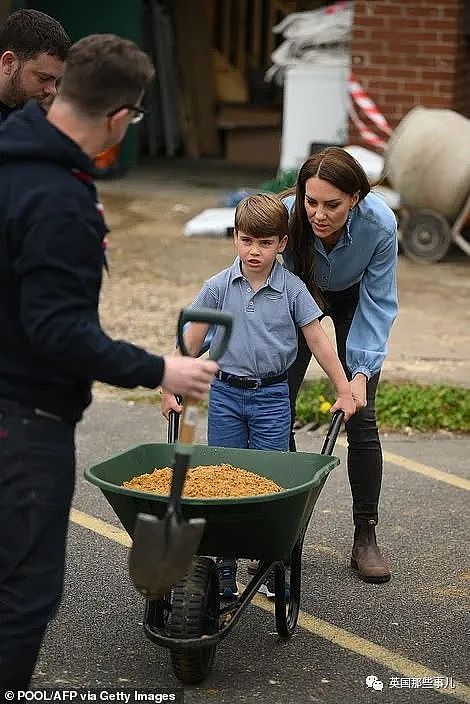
(437, 75)
(375, 47)
(359, 34)
(406, 73)
(402, 23)
(435, 101)
(442, 24)
(388, 9)
(451, 37)
(396, 97)
(439, 61)
(384, 84)
(443, 88)
(368, 71)
(372, 21)
(413, 11)
(417, 86)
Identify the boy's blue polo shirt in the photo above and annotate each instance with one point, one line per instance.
(264, 336)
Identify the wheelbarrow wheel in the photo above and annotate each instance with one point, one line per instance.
(426, 237)
(287, 612)
(194, 613)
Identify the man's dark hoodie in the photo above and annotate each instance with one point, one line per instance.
(51, 263)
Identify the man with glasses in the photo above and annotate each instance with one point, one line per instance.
(33, 48)
(51, 262)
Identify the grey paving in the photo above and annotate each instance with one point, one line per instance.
(97, 638)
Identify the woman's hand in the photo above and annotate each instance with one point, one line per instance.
(169, 403)
(359, 390)
(346, 403)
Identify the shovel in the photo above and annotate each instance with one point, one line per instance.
(163, 549)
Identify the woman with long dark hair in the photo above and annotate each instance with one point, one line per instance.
(343, 244)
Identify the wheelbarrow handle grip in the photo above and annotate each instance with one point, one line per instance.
(174, 422)
(210, 316)
(173, 427)
(332, 433)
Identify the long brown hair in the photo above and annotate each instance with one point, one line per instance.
(337, 166)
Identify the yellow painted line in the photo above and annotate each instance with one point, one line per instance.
(97, 526)
(316, 626)
(367, 649)
(419, 468)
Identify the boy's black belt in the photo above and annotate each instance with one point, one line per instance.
(244, 382)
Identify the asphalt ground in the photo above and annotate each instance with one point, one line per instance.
(417, 626)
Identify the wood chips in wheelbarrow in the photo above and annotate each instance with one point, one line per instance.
(207, 482)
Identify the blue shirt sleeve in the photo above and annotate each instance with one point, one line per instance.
(366, 345)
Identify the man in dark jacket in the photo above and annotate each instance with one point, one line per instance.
(52, 345)
(33, 48)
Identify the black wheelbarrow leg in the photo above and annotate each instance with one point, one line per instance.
(287, 611)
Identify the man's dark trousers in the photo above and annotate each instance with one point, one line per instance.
(37, 474)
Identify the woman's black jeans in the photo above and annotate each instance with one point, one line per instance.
(364, 451)
(37, 473)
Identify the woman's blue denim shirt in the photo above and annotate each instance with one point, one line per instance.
(367, 253)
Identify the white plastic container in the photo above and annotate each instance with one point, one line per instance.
(428, 160)
(315, 109)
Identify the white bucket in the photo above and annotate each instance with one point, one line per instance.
(428, 160)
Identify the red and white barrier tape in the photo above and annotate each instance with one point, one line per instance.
(366, 134)
(369, 108)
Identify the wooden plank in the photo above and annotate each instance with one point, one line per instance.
(197, 74)
(226, 46)
(255, 35)
(241, 37)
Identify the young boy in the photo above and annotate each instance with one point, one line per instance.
(249, 404)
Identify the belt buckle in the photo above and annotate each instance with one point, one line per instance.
(253, 384)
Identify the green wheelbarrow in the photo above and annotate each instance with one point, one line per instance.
(190, 620)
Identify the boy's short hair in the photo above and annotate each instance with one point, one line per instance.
(262, 215)
(104, 72)
(29, 33)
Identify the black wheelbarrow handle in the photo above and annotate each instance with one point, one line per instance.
(332, 433)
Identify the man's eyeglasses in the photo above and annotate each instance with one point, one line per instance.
(139, 113)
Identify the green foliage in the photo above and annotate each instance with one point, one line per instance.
(424, 408)
(285, 180)
(399, 406)
(311, 399)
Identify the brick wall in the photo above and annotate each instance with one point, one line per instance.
(462, 73)
(411, 52)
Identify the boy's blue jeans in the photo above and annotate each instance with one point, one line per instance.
(258, 419)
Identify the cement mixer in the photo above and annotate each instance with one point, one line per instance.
(427, 162)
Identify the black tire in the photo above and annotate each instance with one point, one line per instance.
(426, 237)
(194, 612)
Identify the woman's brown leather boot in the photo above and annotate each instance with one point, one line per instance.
(366, 557)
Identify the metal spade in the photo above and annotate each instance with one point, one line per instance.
(162, 549)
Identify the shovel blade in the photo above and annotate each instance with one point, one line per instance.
(161, 552)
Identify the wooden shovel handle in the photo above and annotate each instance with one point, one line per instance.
(189, 420)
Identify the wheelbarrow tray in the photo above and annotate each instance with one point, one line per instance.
(262, 527)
